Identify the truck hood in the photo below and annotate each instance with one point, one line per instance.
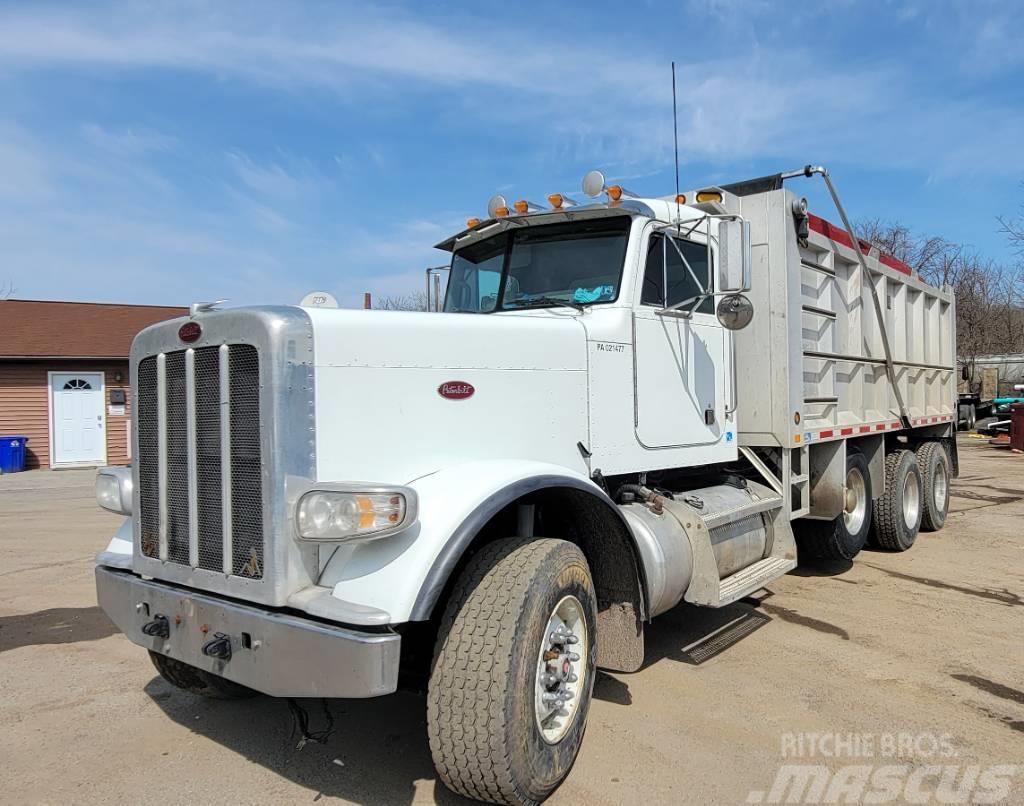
(400, 395)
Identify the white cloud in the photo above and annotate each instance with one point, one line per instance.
(127, 142)
(756, 103)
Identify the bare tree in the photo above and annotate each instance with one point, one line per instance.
(932, 257)
(989, 297)
(1013, 228)
(402, 302)
(7, 289)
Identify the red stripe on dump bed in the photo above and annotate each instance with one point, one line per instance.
(893, 263)
(838, 234)
(825, 434)
(865, 428)
(845, 432)
(880, 427)
(894, 425)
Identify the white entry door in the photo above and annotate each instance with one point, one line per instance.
(78, 430)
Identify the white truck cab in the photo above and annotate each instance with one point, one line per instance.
(623, 405)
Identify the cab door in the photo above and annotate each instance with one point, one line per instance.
(680, 360)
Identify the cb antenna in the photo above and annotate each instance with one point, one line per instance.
(675, 138)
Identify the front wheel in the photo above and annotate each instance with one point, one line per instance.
(513, 671)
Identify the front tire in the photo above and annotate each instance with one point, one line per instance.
(500, 725)
(933, 462)
(844, 537)
(898, 510)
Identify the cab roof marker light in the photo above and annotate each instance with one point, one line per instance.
(560, 200)
(522, 207)
(472, 222)
(709, 196)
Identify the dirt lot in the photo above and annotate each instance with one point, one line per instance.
(929, 644)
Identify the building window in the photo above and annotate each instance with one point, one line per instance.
(77, 383)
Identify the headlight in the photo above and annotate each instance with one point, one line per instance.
(114, 489)
(339, 515)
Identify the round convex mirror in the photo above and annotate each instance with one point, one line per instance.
(496, 203)
(735, 311)
(593, 183)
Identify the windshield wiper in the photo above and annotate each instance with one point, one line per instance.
(539, 302)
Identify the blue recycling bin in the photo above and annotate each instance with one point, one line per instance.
(12, 454)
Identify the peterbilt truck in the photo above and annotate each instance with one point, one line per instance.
(625, 404)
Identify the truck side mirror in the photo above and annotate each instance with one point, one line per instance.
(733, 255)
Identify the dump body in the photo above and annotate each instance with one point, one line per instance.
(811, 367)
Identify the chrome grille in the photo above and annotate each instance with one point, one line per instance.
(200, 463)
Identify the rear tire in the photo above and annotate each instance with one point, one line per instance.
(936, 470)
(844, 537)
(972, 417)
(898, 510)
(491, 737)
(198, 681)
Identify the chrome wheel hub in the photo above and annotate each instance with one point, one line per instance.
(561, 670)
(911, 501)
(941, 488)
(856, 508)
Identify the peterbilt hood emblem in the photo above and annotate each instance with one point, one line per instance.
(190, 331)
(455, 390)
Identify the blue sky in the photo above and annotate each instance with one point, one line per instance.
(167, 153)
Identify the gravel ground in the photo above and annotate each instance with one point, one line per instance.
(923, 649)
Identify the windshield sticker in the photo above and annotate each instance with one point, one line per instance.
(592, 294)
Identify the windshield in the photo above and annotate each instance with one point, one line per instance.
(576, 263)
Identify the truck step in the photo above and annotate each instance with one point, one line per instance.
(763, 516)
(753, 578)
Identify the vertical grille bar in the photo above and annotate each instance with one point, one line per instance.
(225, 452)
(161, 431)
(190, 453)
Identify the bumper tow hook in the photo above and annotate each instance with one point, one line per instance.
(159, 627)
(219, 647)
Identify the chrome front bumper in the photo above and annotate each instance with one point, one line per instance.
(275, 653)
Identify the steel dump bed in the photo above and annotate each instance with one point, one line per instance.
(812, 365)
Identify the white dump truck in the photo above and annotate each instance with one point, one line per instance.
(625, 404)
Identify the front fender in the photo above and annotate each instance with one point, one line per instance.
(119, 550)
(404, 576)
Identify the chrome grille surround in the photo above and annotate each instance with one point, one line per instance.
(231, 435)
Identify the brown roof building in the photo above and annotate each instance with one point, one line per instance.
(64, 378)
